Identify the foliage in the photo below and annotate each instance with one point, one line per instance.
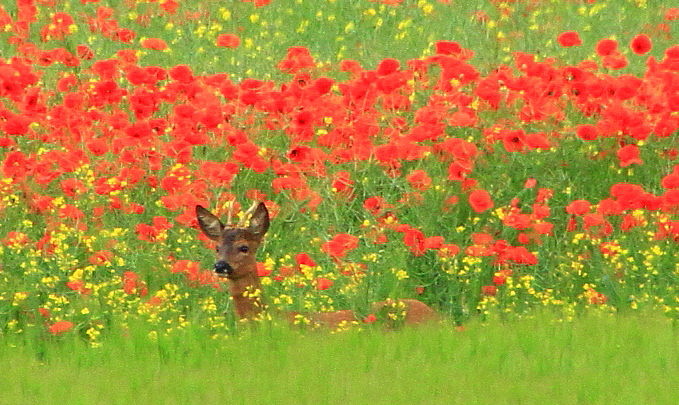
(489, 158)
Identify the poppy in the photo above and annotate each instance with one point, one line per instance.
(70, 211)
(154, 44)
(615, 61)
(59, 327)
(323, 85)
(303, 259)
(125, 35)
(578, 207)
(228, 41)
(480, 200)
(79, 287)
(606, 47)
(414, 239)
(340, 245)
(419, 180)
(489, 290)
(609, 206)
(132, 285)
(587, 132)
(641, 44)
(169, 6)
(629, 155)
(671, 181)
(448, 48)
(72, 187)
(370, 318)
(101, 258)
(181, 73)
(375, 205)
(569, 38)
(84, 52)
(297, 59)
(323, 283)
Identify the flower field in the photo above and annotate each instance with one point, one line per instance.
(494, 159)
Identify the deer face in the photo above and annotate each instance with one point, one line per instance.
(236, 246)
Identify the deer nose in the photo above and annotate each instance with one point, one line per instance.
(222, 267)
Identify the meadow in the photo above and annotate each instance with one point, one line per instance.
(513, 164)
(596, 360)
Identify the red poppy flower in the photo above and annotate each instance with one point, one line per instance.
(154, 44)
(578, 207)
(57, 328)
(297, 59)
(606, 47)
(596, 298)
(641, 44)
(419, 180)
(375, 205)
(587, 132)
(340, 245)
(414, 239)
(79, 287)
(569, 38)
(181, 73)
(14, 238)
(629, 155)
(101, 257)
(537, 140)
(170, 6)
(228, 41)
(609, 206)
(132, 285)
(458, 171)
(72, 187)
(672, 14)
(97, 147)
(671, 181)
(184, 266)
(351, 66)
(480, 200)
(70, 211)
(84, 52)
(323, 85)
(303, 259)
(489, 290)
(262, 271)
(371, 318)
(448, 48)
(125, 35)
(17, 125)
(323, 283)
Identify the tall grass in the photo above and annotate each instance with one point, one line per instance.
(598, 359)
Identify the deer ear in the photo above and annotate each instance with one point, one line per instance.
(211, 226)
(259, 222)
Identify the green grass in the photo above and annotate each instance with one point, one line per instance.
(594, 360)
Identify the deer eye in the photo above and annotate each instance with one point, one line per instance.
(243, 249)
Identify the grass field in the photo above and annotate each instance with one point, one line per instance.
(500, 161)
(595, 360)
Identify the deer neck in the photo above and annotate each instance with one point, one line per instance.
(246, 293)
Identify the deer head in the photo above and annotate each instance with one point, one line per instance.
(236, 254)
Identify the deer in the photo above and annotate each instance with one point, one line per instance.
(236, 248)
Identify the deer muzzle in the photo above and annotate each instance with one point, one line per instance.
(223, 269)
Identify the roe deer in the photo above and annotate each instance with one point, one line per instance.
(236, 250)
